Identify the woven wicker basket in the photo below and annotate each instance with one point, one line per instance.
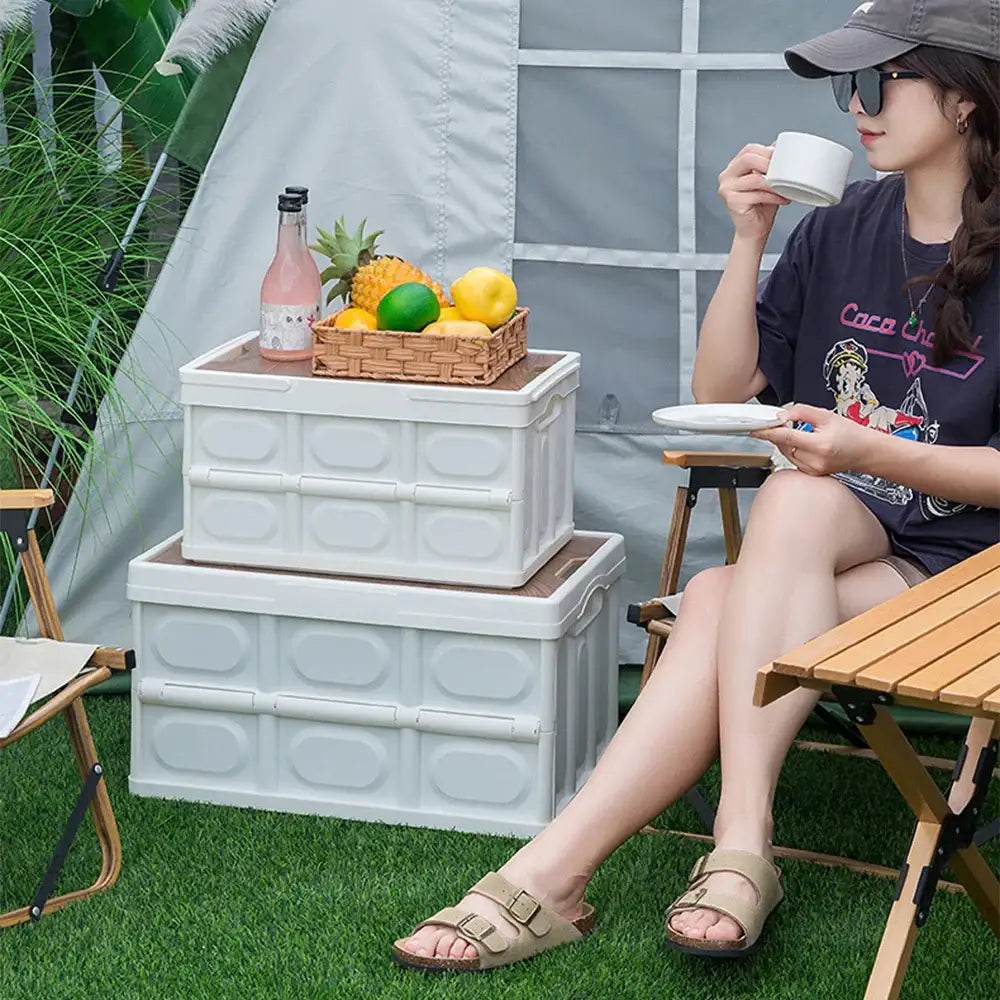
(417, 357)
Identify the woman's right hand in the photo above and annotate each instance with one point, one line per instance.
(752, 204)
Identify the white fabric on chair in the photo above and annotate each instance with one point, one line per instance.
(57, 663)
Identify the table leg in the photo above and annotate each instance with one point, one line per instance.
(934, 842)
(968, 864)
(901, 928)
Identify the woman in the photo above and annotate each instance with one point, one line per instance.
(882, 320)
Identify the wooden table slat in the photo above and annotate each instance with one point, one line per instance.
(929, 682)
(974, 688)
(801, 660)
(908, 662)
(991, 704)
(843, 667)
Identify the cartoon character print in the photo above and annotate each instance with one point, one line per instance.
(845, 371)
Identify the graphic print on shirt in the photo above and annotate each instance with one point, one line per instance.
(845, 371)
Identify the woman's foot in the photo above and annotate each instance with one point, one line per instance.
(711, 925)
(548, 883)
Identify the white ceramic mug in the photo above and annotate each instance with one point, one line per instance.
(809, 169)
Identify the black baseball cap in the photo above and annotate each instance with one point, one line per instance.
(882, 30)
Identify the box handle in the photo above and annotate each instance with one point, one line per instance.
(568, 568)
(592, 607)
(552, 413)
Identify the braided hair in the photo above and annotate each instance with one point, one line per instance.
(976, 243)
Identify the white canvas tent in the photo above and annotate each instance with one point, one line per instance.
(577, 143)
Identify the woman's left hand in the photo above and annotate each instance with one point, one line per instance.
(835, 444)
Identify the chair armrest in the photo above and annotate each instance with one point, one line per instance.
(113, 658)
(59, 701)
(25, 499)
(640, 614)
(720, 459)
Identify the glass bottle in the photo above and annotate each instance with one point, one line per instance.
(289, 291)
(303, 194)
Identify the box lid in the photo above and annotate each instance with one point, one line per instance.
(558, 596)
(234, 374)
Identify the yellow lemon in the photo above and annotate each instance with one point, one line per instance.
(355, 319)
(458, 328)
(450, 313)
(486, 295)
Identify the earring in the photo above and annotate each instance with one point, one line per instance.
(962, 125)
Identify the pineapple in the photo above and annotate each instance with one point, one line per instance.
(363, 277)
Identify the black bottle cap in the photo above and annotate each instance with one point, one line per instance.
(289, 203)
(301, 192)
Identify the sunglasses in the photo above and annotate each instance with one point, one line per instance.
(868, 83)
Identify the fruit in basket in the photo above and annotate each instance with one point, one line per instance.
(355, 319)
(363, 276)
(458, 328)
(450, 313)
(485, 294)
(408, 307)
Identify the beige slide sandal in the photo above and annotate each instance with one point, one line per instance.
(541, 930)
(751, 917)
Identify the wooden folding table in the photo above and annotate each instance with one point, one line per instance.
(934, 646)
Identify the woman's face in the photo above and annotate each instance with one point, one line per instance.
(912, 129)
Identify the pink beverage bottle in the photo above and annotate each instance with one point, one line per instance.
(289, 292)
(302, 193)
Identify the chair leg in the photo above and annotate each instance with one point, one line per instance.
(732, 531)
(671, 572)
(104, 823)
(84, 752)
(39, 590)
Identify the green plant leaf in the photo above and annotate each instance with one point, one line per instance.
(78, 8)
(125, 50)
(209, 103)
(137, 8)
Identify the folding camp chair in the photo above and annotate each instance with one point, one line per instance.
(728, 472)
(15, 508)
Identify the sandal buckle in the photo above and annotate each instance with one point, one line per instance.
(476, 926)
(523, 911)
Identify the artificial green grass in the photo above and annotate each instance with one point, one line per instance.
(224, 903)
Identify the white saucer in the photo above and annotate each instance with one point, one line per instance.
(719, 418)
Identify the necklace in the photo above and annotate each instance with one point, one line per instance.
(914, 310)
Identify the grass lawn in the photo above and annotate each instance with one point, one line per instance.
(224, 903)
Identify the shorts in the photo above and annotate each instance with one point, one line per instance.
(909, 570)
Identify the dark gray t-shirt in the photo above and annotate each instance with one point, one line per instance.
(834, 333)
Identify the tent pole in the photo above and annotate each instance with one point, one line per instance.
(107, 282)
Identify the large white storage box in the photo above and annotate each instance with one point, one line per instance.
(474, 709)
(452, 484)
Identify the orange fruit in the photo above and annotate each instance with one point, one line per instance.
(355, 319)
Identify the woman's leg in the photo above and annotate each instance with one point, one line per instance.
(785, 590)
(663, 746)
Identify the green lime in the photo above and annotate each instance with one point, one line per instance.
(408, 307)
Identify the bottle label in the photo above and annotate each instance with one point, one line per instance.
(286, 328)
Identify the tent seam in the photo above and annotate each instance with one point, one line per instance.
(510, 136)
(444, 137)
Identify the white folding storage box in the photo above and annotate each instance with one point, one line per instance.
(476, 709)
(444, 483)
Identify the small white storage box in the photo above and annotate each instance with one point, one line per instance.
(450, 484)
(474, 709)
